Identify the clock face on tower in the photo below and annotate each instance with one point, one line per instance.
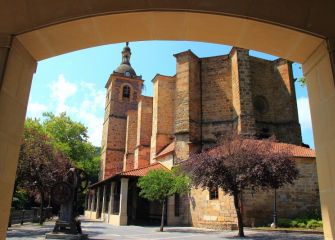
(127, 74)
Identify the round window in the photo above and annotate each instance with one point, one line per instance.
(261, 104)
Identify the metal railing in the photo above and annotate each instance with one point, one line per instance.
(33, 215)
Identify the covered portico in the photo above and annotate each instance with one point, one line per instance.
(116, 199)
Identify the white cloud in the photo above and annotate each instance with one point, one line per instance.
(82, 102)
(90, 107)
(94, 125)
(61, 90)
(35, 110)
(97, 95)
(304, 113)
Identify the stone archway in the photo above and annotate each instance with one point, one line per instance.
(33, 32)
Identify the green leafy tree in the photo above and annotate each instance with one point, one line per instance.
(71, 138)
(34, 124)
(91, 166)
(158, 185)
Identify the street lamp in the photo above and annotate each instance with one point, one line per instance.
(274, 224)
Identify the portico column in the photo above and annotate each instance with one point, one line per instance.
(103, 203)
(86, 201)
(111, 200)
(123, 201)
(321, 91)
(98, 203)
(89, 202)
(93, 201)
(17, 67)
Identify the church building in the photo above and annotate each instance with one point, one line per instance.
(207, 97)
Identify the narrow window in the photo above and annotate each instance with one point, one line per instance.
(126, 92)
(214, 193)
(176, 204)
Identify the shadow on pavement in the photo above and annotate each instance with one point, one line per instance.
(190, 230)
(271, 236)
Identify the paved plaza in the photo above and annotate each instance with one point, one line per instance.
(101, 231)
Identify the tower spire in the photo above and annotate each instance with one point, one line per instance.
(126, 53)
(125, 67)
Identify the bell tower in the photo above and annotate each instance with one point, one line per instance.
(123, 93)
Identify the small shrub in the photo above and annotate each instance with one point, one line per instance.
(312, 223)
(294, 223)
(284, 222)
(311, 214)
(301, 225)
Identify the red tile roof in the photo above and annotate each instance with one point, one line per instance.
(140, 172)
(294, 150)
(167, 150)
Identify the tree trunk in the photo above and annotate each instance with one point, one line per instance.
(162, 220)
(239, 215)
(41, 208)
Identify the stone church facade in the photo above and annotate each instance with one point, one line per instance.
(207, 97)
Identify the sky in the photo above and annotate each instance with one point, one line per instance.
(75, 82)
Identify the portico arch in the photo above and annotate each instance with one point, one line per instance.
(44, 31)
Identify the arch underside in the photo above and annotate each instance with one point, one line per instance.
(154, 25)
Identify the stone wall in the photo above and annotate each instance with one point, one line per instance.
(131, 139)
(217, 214)
(115, 146)
(292, 200)
(187, 103)
(144, 130)
(217, 107)
(273, 81)
(180, 216)
(163, 113)
(241, 88)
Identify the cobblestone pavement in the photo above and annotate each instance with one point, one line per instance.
(101, 231)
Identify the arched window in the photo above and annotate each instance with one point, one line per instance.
(126, 92)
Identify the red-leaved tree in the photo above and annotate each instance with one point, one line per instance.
(239, 163)
(40, 165)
